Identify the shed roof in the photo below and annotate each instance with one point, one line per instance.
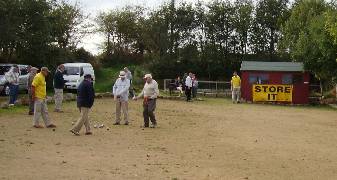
(272, 66)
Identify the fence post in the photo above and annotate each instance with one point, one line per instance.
(164, 84)
(216, 89)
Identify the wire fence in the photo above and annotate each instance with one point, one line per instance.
(214, 88)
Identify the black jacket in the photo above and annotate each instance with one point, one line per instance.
(85, 94)
(58, 80)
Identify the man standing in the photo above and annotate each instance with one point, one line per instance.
(120, 91)
(188, 86)
(12, 77)
(236, 87)
(129, 77)
(150, 93)
(58, 87)
(31, 75)
(85, 100)
(39, 94)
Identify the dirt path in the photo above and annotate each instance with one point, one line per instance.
(201, 140)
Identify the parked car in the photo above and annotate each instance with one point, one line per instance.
(23, 77)
(74, 74)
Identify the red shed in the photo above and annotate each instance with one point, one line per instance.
(284, 82)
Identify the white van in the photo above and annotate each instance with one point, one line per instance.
(74, 74)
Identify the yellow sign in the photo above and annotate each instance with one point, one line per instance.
(272, 93)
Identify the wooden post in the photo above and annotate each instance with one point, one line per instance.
(216, 89)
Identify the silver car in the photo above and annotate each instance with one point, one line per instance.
(23, 78)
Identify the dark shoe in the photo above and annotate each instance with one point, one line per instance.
(38, 126)
(74, 132)
(51, 126)
(88, 133)
(59, 111)
(116, 124)
(31, 113)
(126, 123)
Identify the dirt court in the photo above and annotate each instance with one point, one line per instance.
(210, 139)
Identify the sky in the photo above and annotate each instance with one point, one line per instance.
(92, 42)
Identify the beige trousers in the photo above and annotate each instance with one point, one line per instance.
(121, 106)
(84, 119)
(41, 109)
(58, 96)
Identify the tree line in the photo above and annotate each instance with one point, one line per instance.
(211, 39)
(40, 32)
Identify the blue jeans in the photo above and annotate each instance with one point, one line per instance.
(13, 93)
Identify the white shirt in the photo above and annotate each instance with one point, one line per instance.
(12, 77)
(150, 90)
(188, 81)
(121, 88)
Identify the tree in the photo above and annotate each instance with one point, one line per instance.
(268, 19)
(68, 24)
(308, 41)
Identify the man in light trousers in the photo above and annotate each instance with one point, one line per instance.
(85, 101)
(120, 91)
(31, 75)
(236, 87)
(150, 93)
(39, 95)
(58, 87)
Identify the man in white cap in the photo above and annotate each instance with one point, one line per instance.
(120, 91)
(150, 93)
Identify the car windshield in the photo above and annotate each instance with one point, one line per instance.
(4, 69)
(72, 70)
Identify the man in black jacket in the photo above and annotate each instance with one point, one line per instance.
(58, 87)
(85, 100)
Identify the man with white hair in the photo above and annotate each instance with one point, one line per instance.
(150, 93)
(120, 91)
(12, 77)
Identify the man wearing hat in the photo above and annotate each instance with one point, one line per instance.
(120, 91)
(85, 100)
(31, 75)
(150, 93)
(39, 95)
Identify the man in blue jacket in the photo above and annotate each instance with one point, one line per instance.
(85, 100)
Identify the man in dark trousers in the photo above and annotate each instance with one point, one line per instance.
(150, 93)
(188, 87)
(58, 87)
(85, 100)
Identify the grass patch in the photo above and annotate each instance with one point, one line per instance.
(105, 78)
(15, 109)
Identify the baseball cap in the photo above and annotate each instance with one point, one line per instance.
(45, 69)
